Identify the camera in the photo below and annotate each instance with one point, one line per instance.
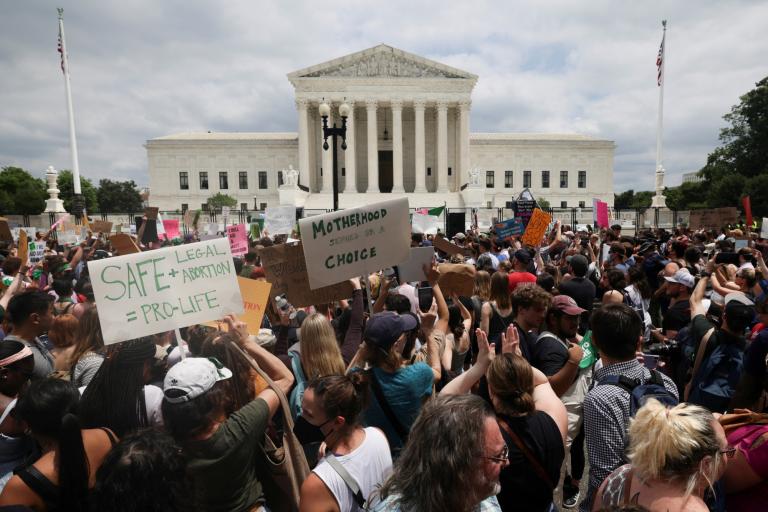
(282, 302)
(664, 349)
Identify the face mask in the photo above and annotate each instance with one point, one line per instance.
(308, 433)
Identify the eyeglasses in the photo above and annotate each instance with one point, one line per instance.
(728, 451)
(501, 458)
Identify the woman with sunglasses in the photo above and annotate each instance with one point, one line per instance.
(531, 417)
(675, 455)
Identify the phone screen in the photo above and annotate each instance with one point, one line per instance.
(650, 361)
(425, 298)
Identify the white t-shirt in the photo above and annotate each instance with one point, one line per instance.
(153, 398)
(369, 464)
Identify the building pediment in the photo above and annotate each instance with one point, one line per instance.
(382, 62)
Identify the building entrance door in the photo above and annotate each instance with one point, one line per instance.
(385, 171)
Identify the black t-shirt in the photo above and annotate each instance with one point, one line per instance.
(549, 354)
(521, 487)
(677, 316)
(581, 290)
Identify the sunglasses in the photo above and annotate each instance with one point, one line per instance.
(728, 451)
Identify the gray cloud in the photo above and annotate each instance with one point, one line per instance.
(144, 69)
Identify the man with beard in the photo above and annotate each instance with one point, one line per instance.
(452, 460)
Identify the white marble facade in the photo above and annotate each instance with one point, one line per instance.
(408, 133)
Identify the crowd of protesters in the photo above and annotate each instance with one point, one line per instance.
(600, 369)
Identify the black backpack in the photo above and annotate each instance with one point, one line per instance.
(640, 392)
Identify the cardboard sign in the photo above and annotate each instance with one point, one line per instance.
(5, 230)
(36, 252)
(536, 228)
(279, 220)
(155, 291)
(356, 241)
(101, 226)
(285, 267)
(23, 247)
(458, 279)
(523, 209)
(123, 244)
(508, 228)
(447, 247)
(714, 218)
(424, 224)
(255, 299)
(238, 239)
(171, 228)
(412, 269)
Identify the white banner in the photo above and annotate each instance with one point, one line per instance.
(425, 224)
(353, 242)
(156, 291)
(485, 217)
(412, 269)
(279, 220)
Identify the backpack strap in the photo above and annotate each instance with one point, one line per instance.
(537, 467)
(348, 479)
(40, 485)
(699, 359)
(621, 381)
(401, 431)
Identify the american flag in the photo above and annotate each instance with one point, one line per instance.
(660, 61)
(61, 51)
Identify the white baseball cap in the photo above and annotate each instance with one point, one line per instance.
(193, 377)
(683, 277)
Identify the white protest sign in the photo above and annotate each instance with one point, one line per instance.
(225, 214)
(412, 269)
(425, 224)
(155, 291)
(485, 217)
(160, 225)
(68, 238)
(764, 228)
(36, 251)
(354, 242)
(279, 220)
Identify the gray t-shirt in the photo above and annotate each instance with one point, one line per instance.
(43, 358)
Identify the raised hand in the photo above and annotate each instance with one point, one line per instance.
(510, 341)
(485, 351)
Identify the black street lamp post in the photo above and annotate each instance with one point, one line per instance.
(334, 132)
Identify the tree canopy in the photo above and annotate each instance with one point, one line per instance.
(218, 200)
(67, 188)
(20, 192)
(118, 196)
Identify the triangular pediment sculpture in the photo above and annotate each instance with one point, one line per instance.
(384, 62)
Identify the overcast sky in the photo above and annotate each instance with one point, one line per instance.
(143, 69)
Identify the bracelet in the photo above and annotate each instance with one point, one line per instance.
(575, 363)
(706, 274)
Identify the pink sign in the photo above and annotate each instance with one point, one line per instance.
(171, 229)
(238, 239)
(602, 214)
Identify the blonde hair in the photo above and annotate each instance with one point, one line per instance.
(63, 330)
(482, 285)
(320, 353)
(669, 443)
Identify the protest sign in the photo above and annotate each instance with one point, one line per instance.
(124, 244)
(23, 247)
(714, 218)
(101, 226)
(353, 242)
(238, 239)
(602, 214)
(485, 217)
(255, 231)
(747, 203)
(424, 224)
(155, 291)
(36, 252)
(171, 228)
(523, 209)
(412, 269)
(5, 230)
(60, 221)
(764, 228)
(255, 299)
(279, 220)
(508, 228)
(225, 213)
(68, 237)
(536, 228)
(456, 278)
(285, 267)
(447, 247)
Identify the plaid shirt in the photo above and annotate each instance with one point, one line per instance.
(606, 417)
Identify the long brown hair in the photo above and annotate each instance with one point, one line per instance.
(500, 290)
(89, 338)
(510, 379)
(482, 285)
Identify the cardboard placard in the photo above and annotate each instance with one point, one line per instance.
(536, 228)
(510, 227)
(123, 244)
(456, 278)
(238, 239)
(354, 242)
(412, 269)
(101, 226)
(279, 220)
(255, 300)
(424, 224)
(449, 247)
(285, 267)
(156, 291)
(5, 230)
(23, 247)
(714, 218)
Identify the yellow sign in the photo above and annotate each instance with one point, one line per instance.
(536, 228)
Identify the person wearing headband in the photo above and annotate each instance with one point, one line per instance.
(31, 314)
(16, 364)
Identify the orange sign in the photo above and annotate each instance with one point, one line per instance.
(536, 228)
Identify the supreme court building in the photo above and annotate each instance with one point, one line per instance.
(407, 134)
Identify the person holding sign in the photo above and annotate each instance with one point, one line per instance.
(222, 451)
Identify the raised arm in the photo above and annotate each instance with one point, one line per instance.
(464, 382)
(354, 334)
(378, 306)
(697, 308)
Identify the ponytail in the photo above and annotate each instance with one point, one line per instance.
(342, 395)
(73, 468)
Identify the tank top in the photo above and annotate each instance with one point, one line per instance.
(498, 324)
(369, 464)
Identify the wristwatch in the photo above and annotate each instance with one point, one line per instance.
(706, 274)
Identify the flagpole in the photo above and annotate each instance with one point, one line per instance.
(659, 201)
(77, 203)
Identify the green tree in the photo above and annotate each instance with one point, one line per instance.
(543, 203)
(688, 196)
(624, 200)
(20, 192)
(66, 185)
(219, 200)
(118, 196)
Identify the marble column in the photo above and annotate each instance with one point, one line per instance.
(327, 181)
(350, 181)
(442, 146)
(373, 147)
(301, 106)
(419, 153)
(397, 146)
(463, 171)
